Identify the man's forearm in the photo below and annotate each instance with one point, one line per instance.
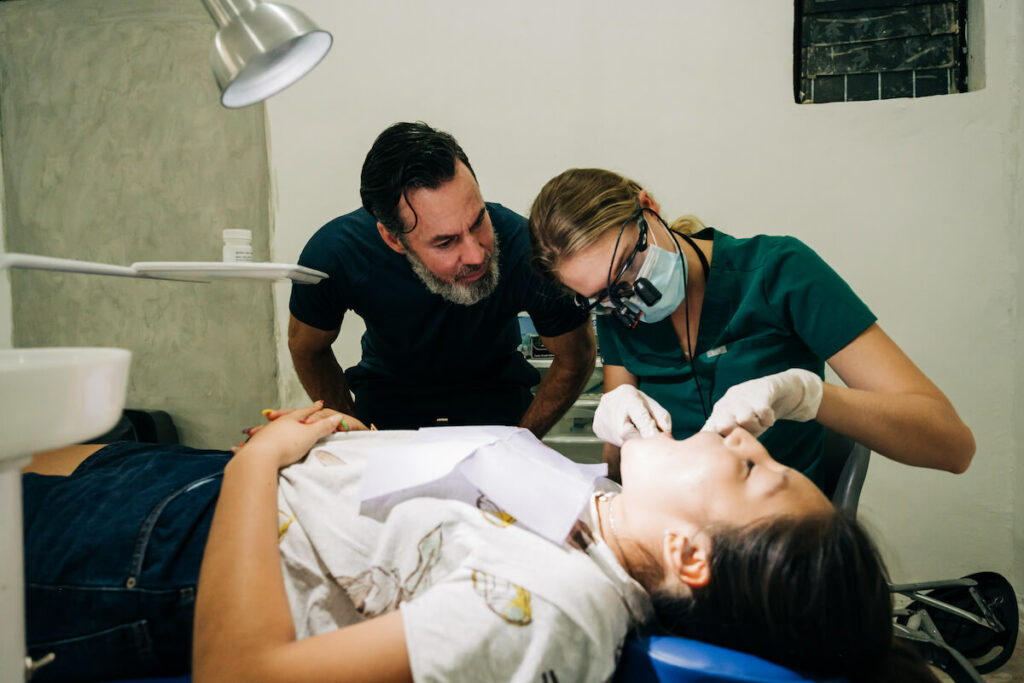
(324, 380)
(574, 355)
(559, 388)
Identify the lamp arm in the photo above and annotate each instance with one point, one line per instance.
(223, 11)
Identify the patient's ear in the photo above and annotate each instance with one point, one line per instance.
(687, 557)
(390, 239)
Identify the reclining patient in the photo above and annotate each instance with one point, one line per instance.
(708, 538)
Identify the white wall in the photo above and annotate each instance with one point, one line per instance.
(1016, 177)
(914, 202)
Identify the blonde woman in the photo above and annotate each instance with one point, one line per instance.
(701, 330)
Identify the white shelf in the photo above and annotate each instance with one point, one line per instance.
(546, 362)
(217, 270)
(185, 271)
(567, 439)
(32, 262)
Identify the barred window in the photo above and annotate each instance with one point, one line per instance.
(877, 49)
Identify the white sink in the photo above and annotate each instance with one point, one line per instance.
(48, 398)
(53, 397)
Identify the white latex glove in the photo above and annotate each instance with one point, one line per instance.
(626, 412)
(756, 404)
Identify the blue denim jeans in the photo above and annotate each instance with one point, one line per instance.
(112, 555)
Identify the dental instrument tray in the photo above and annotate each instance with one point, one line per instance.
(218, 270)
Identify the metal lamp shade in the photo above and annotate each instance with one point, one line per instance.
(261, 48)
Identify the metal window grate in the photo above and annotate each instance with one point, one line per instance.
(848, 50)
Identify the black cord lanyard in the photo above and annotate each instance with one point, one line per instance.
(705, 408)
(705, 266)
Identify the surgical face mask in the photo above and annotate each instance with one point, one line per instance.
(667, 271)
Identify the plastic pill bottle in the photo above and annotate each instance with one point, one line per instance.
(237, 245)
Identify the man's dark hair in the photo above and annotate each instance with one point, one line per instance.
(404, 157)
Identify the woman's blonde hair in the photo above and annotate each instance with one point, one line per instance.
(688, 224)
(575, 208)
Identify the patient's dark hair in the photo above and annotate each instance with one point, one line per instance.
(810, 593)
(404, 157)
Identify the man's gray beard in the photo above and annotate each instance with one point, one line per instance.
(464, 294)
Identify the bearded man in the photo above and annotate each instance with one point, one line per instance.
(439, 277)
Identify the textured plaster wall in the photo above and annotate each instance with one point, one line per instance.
(915, 202)
(5, 282)
(116, 149)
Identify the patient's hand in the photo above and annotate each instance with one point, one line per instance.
(289, 436)
(347, 424)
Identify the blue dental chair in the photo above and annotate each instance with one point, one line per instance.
(666, 659)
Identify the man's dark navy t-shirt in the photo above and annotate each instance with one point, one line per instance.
(426, 360)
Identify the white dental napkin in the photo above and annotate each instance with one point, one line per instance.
(543, 490)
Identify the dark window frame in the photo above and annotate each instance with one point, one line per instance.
(839, 46)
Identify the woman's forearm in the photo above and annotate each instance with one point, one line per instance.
(241, 607)
(892, 407)
(243, 623)
(915, 429)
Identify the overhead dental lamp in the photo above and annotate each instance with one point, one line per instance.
(261, 48)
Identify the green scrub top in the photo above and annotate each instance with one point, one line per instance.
(770, 304)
